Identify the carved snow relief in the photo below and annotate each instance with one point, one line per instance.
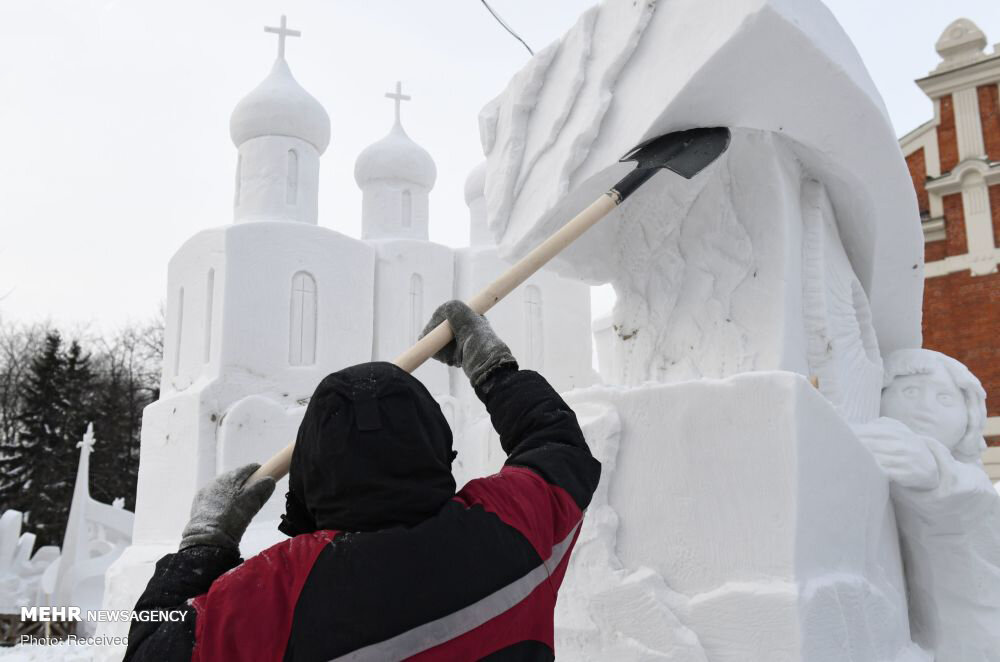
(841, 349)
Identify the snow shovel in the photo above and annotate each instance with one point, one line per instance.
(684, 152)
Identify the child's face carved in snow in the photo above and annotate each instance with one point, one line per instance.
(929, 404)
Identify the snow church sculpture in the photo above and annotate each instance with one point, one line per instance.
(929, 441)
(260, 310)
(252, 309)
(740, 517)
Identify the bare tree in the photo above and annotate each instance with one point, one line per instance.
(152, 339)
(18, 344)
(128, 367)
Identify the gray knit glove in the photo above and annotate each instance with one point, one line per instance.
(222, 509)
(476, 347)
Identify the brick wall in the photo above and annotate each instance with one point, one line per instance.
(961, 319)
(916, 163)
(935, 250)
(989, 114)
(947, 139)
(961, 315)
(954, 225)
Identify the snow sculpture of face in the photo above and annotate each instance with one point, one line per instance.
(929, 404)
(936, 396)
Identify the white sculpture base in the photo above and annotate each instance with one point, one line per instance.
(737, 519)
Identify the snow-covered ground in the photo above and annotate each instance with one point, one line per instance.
(40, 653)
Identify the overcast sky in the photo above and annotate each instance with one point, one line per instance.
(114, 118)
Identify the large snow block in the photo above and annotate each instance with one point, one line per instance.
(746, 520)
(628, 71)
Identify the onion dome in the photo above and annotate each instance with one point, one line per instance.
(395, 157)
(279, 106)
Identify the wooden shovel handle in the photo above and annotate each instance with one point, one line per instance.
(428, 346)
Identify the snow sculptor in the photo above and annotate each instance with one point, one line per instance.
(928, 441)
(385, 560)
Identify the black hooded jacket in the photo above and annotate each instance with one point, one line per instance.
(386, 561)
(373, 452)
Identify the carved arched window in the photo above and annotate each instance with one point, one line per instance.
(407, 209)
(178, 331)
(292, 178)
(533, 351)
(302, 330)
(416, 307)
(209, 305)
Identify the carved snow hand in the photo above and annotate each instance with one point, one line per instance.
(901, 453)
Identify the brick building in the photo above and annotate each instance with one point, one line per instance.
(954, 160)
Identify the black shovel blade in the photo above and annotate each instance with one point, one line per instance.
(685, 152)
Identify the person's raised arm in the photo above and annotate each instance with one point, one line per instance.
(537, 429)
(209, 547)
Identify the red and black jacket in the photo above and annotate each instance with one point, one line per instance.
(477, 580)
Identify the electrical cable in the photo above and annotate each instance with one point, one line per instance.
(506, 27)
